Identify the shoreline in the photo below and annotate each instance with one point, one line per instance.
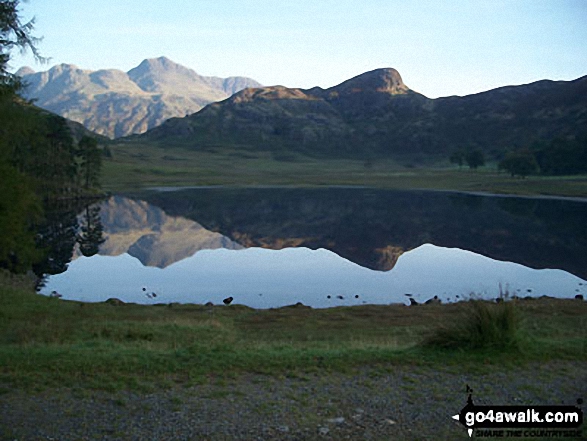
(165, 189)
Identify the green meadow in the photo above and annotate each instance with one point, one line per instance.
(48, 342)
(135, 165)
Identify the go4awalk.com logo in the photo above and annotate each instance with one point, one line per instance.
(520, 421)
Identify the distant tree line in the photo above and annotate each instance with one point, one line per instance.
(560, 156)
(40, 162)
(557, 157)
(472, 156)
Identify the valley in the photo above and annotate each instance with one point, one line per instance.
(135, 165)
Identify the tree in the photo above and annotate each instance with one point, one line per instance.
(56, 237)
(91, 162)
(19, 204)
(59, 164)
(91, 236)
(457, 157)
(521, 163)
(475, 158)
(13, 34)
(19, 209)
(563, 156)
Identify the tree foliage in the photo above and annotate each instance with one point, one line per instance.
(562, 156)
(91, 162)
(475, 158)
(457, 157)
(13, 34)
(558, 157)
(40, 164)
(91, 231)
(19, 210)
(472, 156)
(519, 163)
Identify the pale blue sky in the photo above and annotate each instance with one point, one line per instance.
(442, 47)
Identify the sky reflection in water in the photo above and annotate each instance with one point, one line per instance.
(263, 278)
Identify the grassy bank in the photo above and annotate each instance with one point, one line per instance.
(137, 166)
(49, 342)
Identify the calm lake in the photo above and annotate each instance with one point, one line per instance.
(272, 247)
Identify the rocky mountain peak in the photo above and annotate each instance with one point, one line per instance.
(385, 80)
(116, 103)
(152, 73)
(155, 65)
(25, 70)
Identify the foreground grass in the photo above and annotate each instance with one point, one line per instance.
(48, 342)
(136, 166)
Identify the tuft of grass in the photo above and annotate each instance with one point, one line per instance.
(481, 325)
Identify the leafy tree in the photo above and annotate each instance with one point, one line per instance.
(475, 158)
(520, 163)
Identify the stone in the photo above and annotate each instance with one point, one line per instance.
(433, 301)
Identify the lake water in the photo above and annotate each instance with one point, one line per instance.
(272, 247)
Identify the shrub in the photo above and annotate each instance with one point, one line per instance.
(481, 325)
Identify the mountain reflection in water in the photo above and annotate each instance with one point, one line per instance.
(349, 246)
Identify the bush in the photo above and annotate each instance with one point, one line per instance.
(482, 325)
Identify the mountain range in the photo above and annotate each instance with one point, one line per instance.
(375, 114)
(372, 115)
(114, 103)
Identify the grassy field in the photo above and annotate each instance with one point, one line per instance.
(47, 342)
(136, 166)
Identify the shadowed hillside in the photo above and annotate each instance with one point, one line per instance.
(376, 115)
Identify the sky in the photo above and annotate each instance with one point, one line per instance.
(440, 48)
